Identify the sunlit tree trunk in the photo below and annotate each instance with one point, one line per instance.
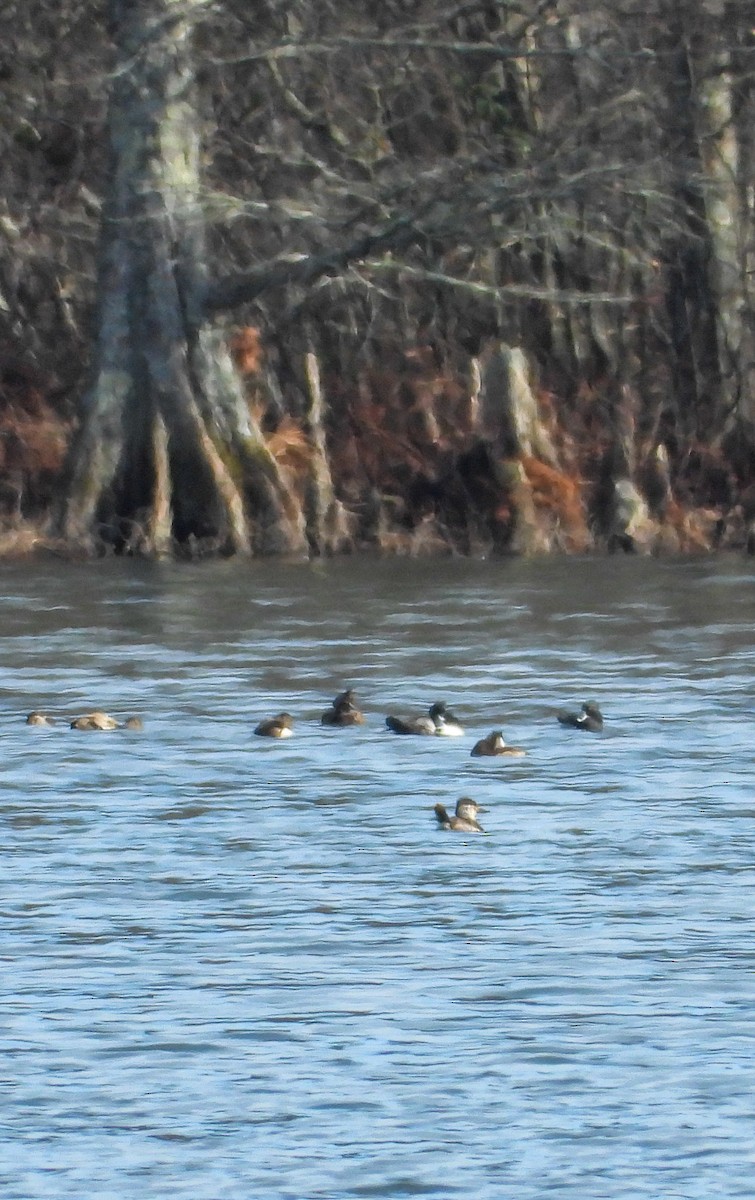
(167, 454)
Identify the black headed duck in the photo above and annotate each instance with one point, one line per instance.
(281, 726)
(440, 722)
(494, 745)
(464, 819)
(589, 719)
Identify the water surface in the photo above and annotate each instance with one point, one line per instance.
(236, 968)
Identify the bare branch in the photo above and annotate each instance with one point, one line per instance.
(246, 286)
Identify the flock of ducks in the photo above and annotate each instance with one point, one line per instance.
(92, 720)
(344, 711)
(439, 722)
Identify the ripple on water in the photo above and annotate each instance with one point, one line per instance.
(242, 968)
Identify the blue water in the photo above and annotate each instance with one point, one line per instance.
(240, 968)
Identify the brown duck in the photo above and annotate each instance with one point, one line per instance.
(343, 711)
(464, 820)
(94, 720)
(494, 745)
(39, 718)
(280, 726)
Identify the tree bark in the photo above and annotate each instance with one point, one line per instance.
(328, 522)
(689, 258)
(725, 141)
(167, 455)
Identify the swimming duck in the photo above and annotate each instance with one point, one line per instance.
(589, 719)
(494, 744)
(281, 726)
(39, 718)
(94, 720)
(343, 710)
(133, 723)
(464, 819)
(440, 722)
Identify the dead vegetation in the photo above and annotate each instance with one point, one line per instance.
(417, 474)
(543, 358)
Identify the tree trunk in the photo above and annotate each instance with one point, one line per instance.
(327, 520)
(167, 456)
(725, 141)
(689, 259)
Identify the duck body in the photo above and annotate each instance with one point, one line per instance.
(280, 726)
(589, 719)
(448, 726)
(494, 746)
(418, 726)
(343, 711)
(39, 718)
(439, 722)
(463, 820)
(94, 720)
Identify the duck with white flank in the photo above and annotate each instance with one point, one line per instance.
(590, 719)
(439, 722)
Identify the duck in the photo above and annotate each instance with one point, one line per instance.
(343, 710)
(39, 718)
(133, 723)
(94, 720)
(589, 719)
(440, 722)
(281, 726)
(464, 820)
(494, 744)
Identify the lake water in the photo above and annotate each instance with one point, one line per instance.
(236, 968)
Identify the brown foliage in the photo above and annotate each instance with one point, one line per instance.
(290, 446)
(247, 351)
(559, 495)
(33, 442)
(408, 418)
(696, 530)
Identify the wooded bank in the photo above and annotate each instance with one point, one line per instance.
(302, 279)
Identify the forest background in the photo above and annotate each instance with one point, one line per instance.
(312, 277)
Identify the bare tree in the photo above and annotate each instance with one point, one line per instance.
(574, 180)
(167, 447)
